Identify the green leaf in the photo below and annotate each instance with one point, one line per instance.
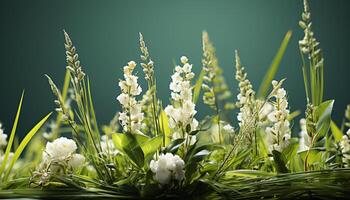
(174, 145)
(293, 115)
(151, 146)
(194, 132)
(198, 86)
(12, 136)
(248, 173)
(270, 74)
(323, 114)
(127, 143)
(315, 155)
(280, 162)
(164, 122)
(337, 134)
(24, 143)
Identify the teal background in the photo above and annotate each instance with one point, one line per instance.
(106, 36)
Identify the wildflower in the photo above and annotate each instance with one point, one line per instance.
(147, 64)
(266, 109)
(3, 137)
(131, 117)
(73, 63)
(168, 167)
(181, 112)
(228, 128)
(246, 96)
(249, 107)
(107, 146)
(152, 104)
(279, 133)
(305, 139)
(345, 148)
(62, 152)
(215, 89)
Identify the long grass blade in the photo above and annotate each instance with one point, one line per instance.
(12, 136)
(198, 87)
(24, 143)
(270, 74)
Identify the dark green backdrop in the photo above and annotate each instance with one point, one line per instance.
(106, 35)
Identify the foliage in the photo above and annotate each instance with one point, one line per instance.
(164, 152)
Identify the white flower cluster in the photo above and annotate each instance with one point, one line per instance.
(61, 152)
(3, 137)
(107, 146)
(246, 96)
(279, 133)
(132, 116)
(181, 112)
(168, 167)
(345, 148)
(305, 139)
(228, 128)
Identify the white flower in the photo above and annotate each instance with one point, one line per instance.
(76, 161)
(181, 113)
(3, 137)
(184, 59)
(278, 135)
(123, 99)
(246, 100)
(168, 167)
(131, 118)
(305, 139)
(265, 110)
(107, 146)
(345, 148)
(62, 151)
(228, 128)
(60, 148)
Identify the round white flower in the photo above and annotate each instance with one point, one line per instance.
(76, 161)
(60, 148)
(62, 151)
(168, 167)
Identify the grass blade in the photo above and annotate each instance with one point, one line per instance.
(270, 74)
(337, 133)
(12, 136)
(198, 87)
(24, 143)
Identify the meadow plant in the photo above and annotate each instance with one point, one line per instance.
(154, 152)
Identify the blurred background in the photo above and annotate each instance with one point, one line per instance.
(106, 36)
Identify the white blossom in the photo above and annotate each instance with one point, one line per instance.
(345, 148)
(181, 112)
(278, 135)
(305, 139)
(246, 97)
(168, 167)
(107, 146)
(228, 128)
(132, 116)
(3, 137)
(62, 151)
